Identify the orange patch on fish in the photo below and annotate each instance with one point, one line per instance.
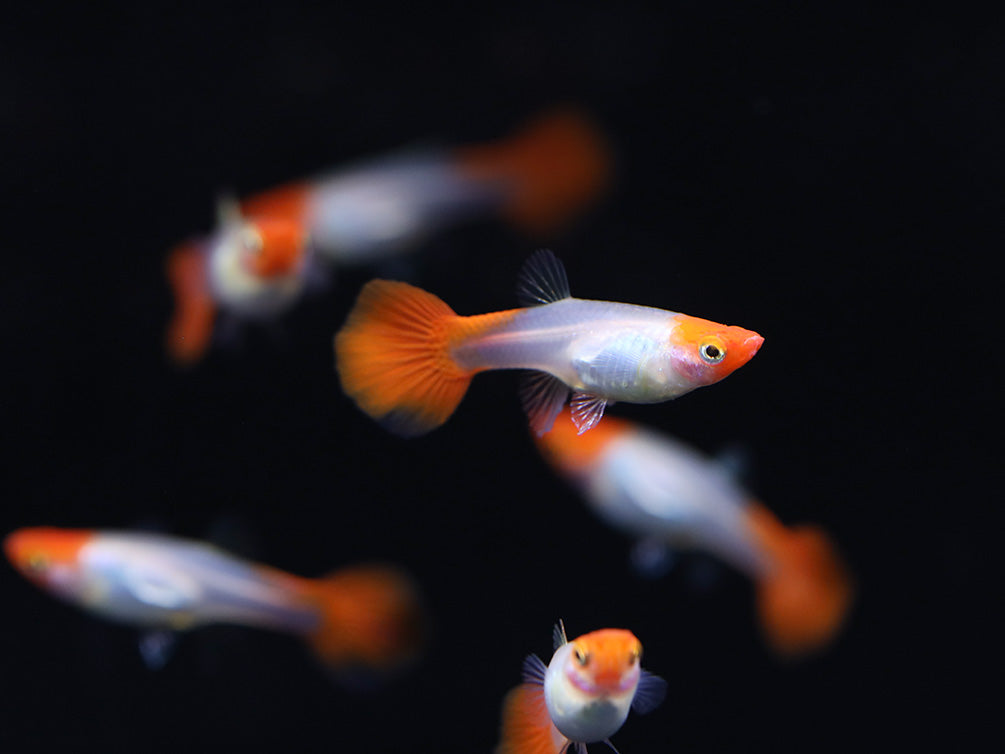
(804, 598)
(556, 164)
(191, 326)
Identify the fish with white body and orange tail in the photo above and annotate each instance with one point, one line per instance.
(407, 359)
(267, 250)
(582, 696)
(666, 494)
(358, 619)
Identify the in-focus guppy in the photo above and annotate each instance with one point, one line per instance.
(666, 494)
(407, 359)
(582, 696)
(366, 618)
(269, 249)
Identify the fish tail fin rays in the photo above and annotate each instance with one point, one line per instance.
(190, 329)
(393, 357)
(372, 619)
(805, 596)
(526, 726)
(558, 163)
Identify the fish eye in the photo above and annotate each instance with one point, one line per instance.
(712, 351)
(635, 655)
(581, 657)
(37, 562)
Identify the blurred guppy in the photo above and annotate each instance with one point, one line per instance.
(666, 494)
(582, 696)
(268, 249)
(364, 618)
(407, 359)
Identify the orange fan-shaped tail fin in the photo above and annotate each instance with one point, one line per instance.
(393, 358)
(557, 165)
(804, 598)
(371, 618)
(526, 727)
(191, 327)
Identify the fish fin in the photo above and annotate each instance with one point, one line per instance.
(542, 280)
(156, 648)
(734, 459)
(534, 670)
(526, 726)
(558, 636)
(650, 693)
(652, 558)
(609, 743)
(542, 396)
(191, 327)
(805, 595)
(552, 168)
(587, 410)
(228, 210)
(392, 356)
(612, 365)
(371, 619)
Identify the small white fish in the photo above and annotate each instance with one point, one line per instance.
(666, 494)
(365, 617)
(407, 359)
(582, 696)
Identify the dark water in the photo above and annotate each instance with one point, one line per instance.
(830, 178)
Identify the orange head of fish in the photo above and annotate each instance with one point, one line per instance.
(707, 352)
(47, 556)
(273, 247)
(605, 662)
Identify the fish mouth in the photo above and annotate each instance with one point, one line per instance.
(752, 344)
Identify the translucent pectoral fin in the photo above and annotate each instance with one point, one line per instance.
(652, 558)
(534, 670)
(156, 648)
(587, 410)
(650, 693)
(543, 397)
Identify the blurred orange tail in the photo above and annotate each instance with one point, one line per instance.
(191, 325)
(371, 618)
(803, 599)
(393, 357)
(558, 164)
(526, 726)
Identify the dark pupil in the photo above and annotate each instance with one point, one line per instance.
(712, 352)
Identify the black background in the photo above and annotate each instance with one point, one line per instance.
(830, 177)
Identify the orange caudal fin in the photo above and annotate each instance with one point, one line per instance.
(557, 164)
(371, 619)
(526, 727)
(393, 360)
(191, 326)
(803, 600)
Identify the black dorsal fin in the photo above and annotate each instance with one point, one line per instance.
(542, 280)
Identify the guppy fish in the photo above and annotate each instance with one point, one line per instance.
(357, 618)
(407, 359)
(666, 494)
(582, 696)
(266, 251)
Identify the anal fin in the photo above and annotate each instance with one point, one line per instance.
(542, 397)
